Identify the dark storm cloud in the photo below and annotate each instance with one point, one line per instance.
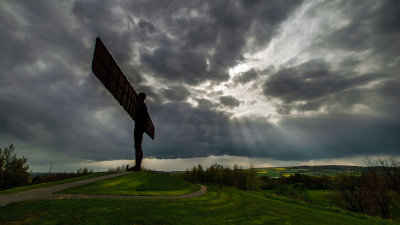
(296, 138)
(176, 65)
(176, 93)
(345, 134)
(45, 84)
(371, 29)
(205, 38)
(229, 101)
(373, 26)
(146, 25)
(314, 83)
(62, 118)
(266, 16)
(23, 44)
(330, 135)
(103, 22)
(204, 103)
(385, 96)
(246, 76)
(190, 41)
(14, 46)
(189, 132)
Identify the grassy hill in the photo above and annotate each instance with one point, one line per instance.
(221, 205)
(143, 183)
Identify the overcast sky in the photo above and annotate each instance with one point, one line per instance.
(266, 83)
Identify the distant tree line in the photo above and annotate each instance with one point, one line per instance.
(309, 182)
(244, 179)
(49, 177)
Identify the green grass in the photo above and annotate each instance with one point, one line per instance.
(321, 197)
(143, 183)
(317, 197)
(221, 205)
(324, 198)
(48, 184)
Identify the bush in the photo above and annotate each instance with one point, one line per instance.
(350, 193)
(13, 170)
(296, 191)
(390, 167)
(84, 171)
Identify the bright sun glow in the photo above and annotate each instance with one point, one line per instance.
(240, 68)
(290, 47)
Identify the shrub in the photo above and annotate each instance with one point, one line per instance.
(14, 171)
(390, 167)
(350, 194)
(296, 191)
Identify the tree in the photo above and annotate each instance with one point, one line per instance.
(14, 171)
(391, 169)
(350, 193)
(378, 196)
(372, 192)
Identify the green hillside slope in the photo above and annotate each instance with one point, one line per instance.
(221, 205)
(143, 183)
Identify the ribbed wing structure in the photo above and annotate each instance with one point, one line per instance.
(108, 72)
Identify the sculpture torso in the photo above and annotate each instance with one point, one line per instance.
(141, 119)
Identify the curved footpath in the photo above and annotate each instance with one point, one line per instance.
(47, 192)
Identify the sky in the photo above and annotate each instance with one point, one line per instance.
(262, 83)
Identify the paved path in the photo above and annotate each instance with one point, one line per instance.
(47, 192)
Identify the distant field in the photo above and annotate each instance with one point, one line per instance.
(143, 183)
(221, 205)
(48, 184)
(308, 170)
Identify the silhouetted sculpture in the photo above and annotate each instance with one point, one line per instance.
(108, 72)
(141, 118)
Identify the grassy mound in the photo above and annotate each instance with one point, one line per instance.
(137, 183)
(221, 205)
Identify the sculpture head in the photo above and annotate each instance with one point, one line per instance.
(142, 96)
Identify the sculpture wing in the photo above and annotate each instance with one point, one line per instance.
(108, 72)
